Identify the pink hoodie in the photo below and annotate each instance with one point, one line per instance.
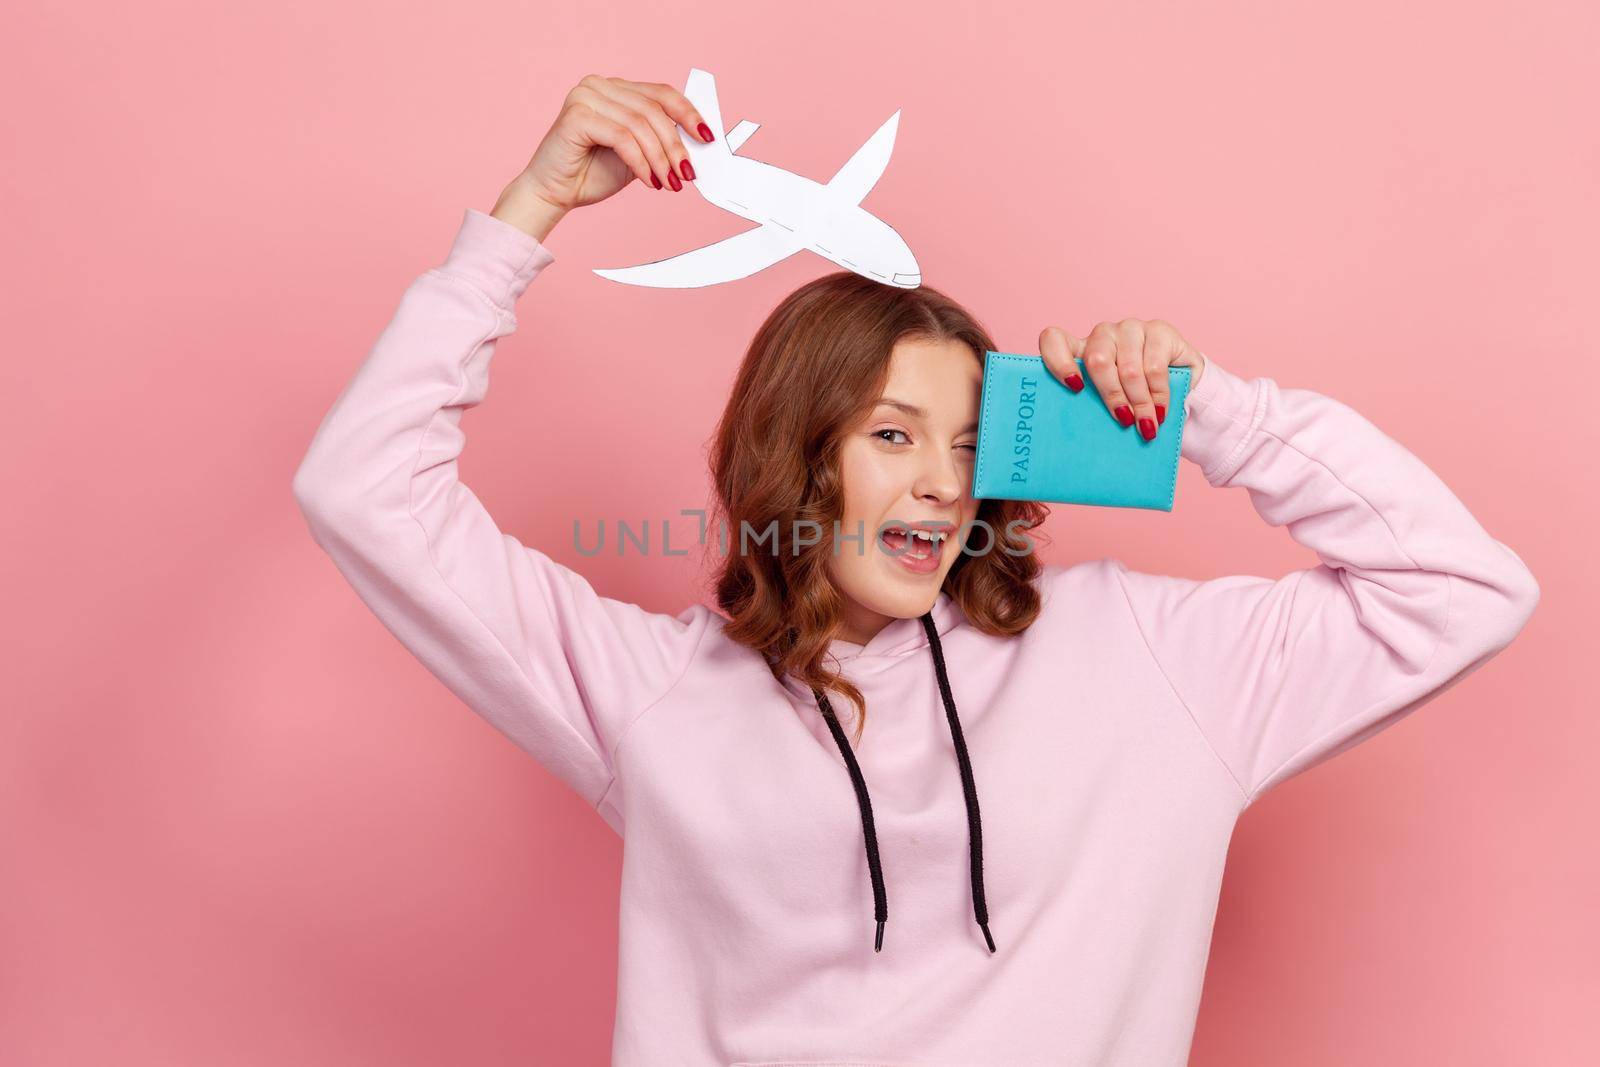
(1113, 744)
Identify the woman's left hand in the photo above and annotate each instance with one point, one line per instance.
(1128, 362)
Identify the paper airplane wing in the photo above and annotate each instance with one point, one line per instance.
(728, 260)
(861, 171)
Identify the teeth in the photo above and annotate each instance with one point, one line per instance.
(931, 536)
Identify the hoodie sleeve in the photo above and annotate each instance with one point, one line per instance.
(523, 640)
(1411, 594)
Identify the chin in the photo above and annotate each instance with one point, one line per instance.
(902, 599)
(881, 585)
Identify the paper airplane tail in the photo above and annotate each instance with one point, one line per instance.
(701, 89)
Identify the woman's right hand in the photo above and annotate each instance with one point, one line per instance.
(609, 132)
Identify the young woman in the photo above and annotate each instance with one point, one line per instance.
(1116, 723)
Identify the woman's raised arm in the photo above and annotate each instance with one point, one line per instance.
(524, 641)
(1411, 594)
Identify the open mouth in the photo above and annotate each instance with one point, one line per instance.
(912, 543)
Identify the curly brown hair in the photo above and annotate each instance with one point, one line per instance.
(814, 369)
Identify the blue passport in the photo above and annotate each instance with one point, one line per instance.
(1038, 440)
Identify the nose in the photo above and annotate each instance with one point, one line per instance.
(939, 481)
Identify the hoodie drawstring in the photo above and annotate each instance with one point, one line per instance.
(969, 788)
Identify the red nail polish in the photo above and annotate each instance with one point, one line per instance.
(688, 170)
(672, 180)
(654, 180)
(1147, 426)
(1161, 413)
(1125, 415)
(1075, 383)
(705, 133)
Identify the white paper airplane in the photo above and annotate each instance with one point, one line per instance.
(792, 212)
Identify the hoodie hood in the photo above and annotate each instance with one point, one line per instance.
(900, 637)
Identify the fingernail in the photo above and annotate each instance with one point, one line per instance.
(672, 180)
(1075, 383)
(654, 180)
(1161, 413)
(705, 133)
(1125, 415)
(688, 170)
(1147, 427)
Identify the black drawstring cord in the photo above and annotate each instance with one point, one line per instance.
(968, 787)
(980, 907)
(880, 902)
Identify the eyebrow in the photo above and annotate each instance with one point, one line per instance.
(916, 412)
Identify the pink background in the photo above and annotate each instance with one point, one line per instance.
(241, 825)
